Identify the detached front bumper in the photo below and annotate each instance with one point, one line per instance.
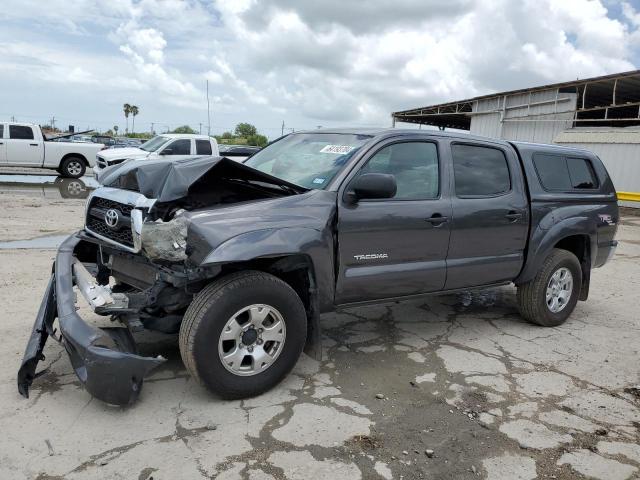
(104, 359)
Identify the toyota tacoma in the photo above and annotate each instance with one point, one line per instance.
(242, 259)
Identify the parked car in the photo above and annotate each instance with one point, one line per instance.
(238, 153)
(241, 259)
(170, 145)
(24, 145)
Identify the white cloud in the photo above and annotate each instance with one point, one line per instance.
(330, 62)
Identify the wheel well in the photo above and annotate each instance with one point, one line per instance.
(579, 245)
(74, 155)
(295, 270)
(576, 244)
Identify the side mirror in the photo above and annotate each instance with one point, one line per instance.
(167, 151)
(373, 185)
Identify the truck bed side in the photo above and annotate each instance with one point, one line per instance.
(581, 220)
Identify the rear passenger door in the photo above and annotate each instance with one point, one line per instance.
(490, 215)
(203, 147)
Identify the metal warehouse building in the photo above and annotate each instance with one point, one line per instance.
(601, 114)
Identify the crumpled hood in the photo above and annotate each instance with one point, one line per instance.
(170, 180)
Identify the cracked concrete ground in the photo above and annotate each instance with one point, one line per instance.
(462, 376)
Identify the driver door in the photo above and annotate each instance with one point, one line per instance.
(396, 247)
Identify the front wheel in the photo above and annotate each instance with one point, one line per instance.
(72, 167)
(243, 334)
(551, 296)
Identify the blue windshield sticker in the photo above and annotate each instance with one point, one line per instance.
(319, 180)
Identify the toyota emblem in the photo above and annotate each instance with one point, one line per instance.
(111, 218)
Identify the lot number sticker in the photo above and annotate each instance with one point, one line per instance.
(337, 149)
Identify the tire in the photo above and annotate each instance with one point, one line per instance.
(533, 303)
(72, 167)
(212, 310)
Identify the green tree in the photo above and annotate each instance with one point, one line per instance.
(184, 129)
(227, 135)
(134, 111)
(245, 130)
(257, 140)
(127, 110)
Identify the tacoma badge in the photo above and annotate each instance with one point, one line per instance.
(371, 256)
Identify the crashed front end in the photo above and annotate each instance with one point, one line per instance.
(103, 359)
(131, 263)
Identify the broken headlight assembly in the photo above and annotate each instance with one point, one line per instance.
(158, 239)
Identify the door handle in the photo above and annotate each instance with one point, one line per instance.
(33, 144)
(437, 219)
(513, 216)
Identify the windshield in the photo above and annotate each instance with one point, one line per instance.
(310, 160)
(154, 144)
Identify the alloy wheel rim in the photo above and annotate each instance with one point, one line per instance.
(252, 340)
(559, 290)
(74, 168)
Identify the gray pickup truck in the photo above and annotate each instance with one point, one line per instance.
(241, 260)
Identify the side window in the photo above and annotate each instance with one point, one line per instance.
(20, 132)
(1, 130)
(557, 172)
(552, 170)
(581, 173)
(480, 171)
(180, 147)
(414, 165)
(203, 147)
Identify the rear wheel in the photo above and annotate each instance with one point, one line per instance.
(72, 167)
(551, 296)
(243, 334)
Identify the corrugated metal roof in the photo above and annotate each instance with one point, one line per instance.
(579, 81)
(584, 135)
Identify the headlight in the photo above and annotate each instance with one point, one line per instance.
(160, 240)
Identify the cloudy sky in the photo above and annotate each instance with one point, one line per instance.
(304, 62)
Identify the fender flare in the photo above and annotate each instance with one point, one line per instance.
(545, 240)
(283, 242)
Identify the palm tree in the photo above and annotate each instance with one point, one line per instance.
(127, 110)
(134, 112)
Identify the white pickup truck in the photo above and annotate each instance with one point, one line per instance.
(24, 145)
(169, 144)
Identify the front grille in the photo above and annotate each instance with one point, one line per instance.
(102, 163)
(97, 224)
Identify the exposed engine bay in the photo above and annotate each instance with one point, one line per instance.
(147, 278)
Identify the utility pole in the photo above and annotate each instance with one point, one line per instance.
(282, 133)
(208, 112)
(13, 118)
(53, 123)
(152, 128)
(200, 128)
